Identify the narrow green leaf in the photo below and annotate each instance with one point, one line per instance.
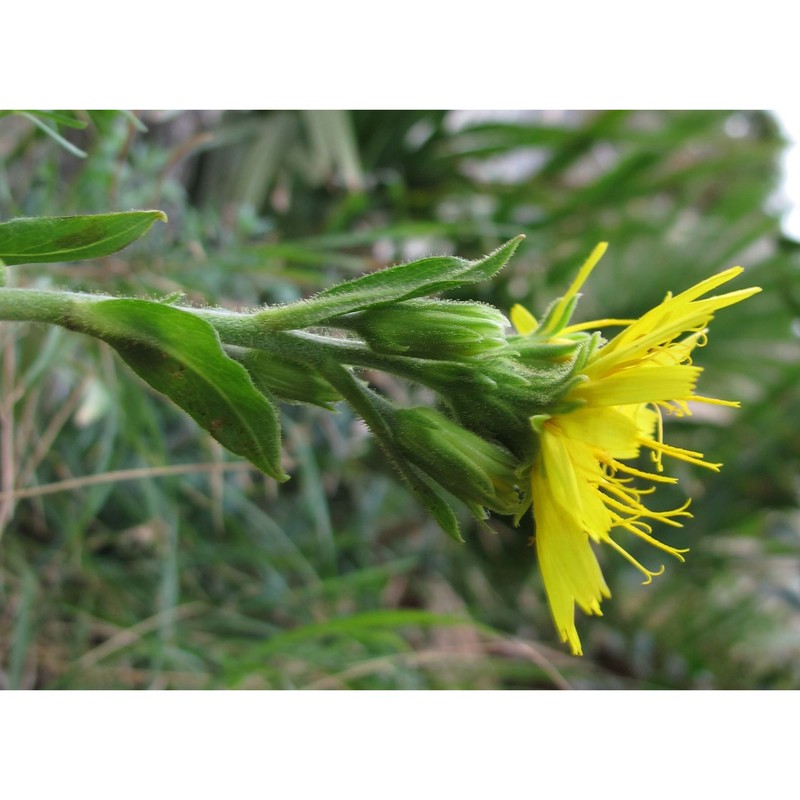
(388, 619)
(60, 117)
(34, 117)
(180, 355)
(39, 240)
(403, 282)
(134, 120)
(335, 145)
(431, 497)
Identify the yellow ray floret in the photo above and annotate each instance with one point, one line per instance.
(522, 319)
(582, 491)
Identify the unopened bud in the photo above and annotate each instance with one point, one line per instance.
(437, 329)
(473, 469)
(286, 379)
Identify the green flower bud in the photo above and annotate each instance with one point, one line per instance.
(288, 380)
(477, 471)
(436, 329)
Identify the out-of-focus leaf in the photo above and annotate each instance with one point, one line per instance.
(38, 119)
(180, 355)
(382, 618)
(59, 117)
(334, 146)
(39, 240)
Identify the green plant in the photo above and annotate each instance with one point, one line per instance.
(140, 554)
(545, 417)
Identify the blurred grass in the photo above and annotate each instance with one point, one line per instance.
(216, 578)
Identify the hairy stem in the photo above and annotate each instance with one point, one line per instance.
(243, 329)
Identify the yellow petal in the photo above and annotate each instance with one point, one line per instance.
(640, 384)
(580, 279)
(523, 321)
(573, 475)
(569, 567)
(606, 429)
(662, 324)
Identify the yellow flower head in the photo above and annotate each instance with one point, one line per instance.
(580, 486)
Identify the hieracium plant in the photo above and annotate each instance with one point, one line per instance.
(547, 415)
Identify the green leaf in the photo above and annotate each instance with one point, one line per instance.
(39, 240)
(403, 282)
(389, 619)
(59, 117)
(180, 355)
(38, 117)
(431, 497)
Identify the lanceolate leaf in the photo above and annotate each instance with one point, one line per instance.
(39, 240)
(403, 282)
(180, 355)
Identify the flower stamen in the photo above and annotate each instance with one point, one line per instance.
(649, 574)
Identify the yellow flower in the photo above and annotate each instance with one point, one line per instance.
(581, 488)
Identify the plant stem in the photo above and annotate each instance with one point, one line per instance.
(234, 328)
(247, 330)
(36, 305)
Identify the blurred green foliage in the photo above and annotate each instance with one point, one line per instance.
(139, 572)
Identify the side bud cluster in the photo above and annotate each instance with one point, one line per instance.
(497, 397)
